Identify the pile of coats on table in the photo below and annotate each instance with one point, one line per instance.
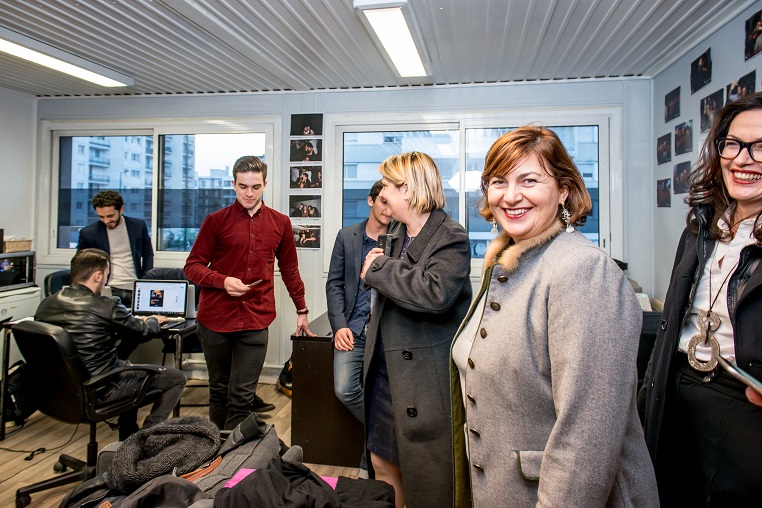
(184, 462)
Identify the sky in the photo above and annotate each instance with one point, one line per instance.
(218, 151)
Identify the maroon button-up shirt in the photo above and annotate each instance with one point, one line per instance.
(231, 243)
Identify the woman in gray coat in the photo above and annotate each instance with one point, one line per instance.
(544, 372)
(422, 294)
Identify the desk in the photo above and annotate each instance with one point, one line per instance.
(5, 330)
(320, 424)
(177, 334)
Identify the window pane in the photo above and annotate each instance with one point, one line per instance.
(90, 164)
(196, 173)
(580, 141)
(365, 151)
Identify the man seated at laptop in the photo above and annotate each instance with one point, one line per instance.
(94, 321)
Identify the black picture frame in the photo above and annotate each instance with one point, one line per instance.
(680, 177)
(672, 105)
(664, 148)
(684, 137)
(701, 71)
(663, 193)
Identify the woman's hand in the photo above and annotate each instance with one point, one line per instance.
(372, 255)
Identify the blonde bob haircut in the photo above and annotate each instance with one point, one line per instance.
(512, 149)
(420, 173)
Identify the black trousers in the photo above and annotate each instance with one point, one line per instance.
(710, 450)
(234, 361)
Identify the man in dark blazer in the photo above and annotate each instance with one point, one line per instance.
(125, 239)
(349, 301)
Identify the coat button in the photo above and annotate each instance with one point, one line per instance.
(478, 468)
(470, 363)
(407, 355)
(471, 398)
(412, 412)
(663, 324)
(502, 278)
(475, 432)
(494, 306)
(483, 333)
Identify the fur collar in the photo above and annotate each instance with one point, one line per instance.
(502, 250)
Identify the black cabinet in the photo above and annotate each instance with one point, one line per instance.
(320, 424)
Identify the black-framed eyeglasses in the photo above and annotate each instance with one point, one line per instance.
(730, 148)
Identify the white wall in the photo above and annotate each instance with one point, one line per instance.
(18, 143)
(727, 45)
(630, 96)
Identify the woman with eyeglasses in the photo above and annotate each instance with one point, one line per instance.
(704, 435)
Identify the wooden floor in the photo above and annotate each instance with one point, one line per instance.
(57, 438)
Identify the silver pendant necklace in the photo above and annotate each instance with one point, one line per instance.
(708, 322)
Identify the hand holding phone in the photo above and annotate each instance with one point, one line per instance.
(740, 374)
(384, 243)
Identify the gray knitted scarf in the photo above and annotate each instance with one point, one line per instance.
(184, 443)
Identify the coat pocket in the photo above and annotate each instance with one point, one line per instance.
(529, 463)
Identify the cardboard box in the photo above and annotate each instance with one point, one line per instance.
(19, 245)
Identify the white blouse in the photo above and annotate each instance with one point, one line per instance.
(723, 261)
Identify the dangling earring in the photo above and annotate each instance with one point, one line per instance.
(566, 217)
(494, 227)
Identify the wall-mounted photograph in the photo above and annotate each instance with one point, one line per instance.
(663, 193)
(306, 236)
(684, 137)
(682, 172)
(306, 150)
(742, 87)
(306, 177)
(710, 107)
(701, 71)
(753, 39)
(664, 149)
(310, 124)
(672, 105)
(304, 207)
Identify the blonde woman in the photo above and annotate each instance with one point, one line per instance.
(423, 293)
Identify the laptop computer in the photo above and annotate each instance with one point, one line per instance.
(160, 297)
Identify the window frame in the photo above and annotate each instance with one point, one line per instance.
(52, 131)
(610, 167)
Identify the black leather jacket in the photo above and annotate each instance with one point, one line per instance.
(95, 323)
(744, 307)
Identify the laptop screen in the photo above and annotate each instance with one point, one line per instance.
(161, 297)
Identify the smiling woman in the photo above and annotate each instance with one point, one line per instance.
(711, 313)
(530, 394)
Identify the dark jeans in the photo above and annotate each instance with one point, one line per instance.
(709, 452)
(170, 381)
(234, 361)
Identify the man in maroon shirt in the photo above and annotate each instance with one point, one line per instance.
(233, 261)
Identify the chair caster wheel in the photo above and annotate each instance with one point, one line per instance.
(22, 501)
(59, 467)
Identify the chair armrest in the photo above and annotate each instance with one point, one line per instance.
(106, 377)
(99, 411)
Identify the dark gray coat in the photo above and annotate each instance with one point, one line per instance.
(422, 299)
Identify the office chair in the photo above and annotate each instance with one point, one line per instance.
(64, 390)
(191, 343)
(55, 281)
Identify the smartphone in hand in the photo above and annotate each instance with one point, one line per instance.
(254, 283)
(740, 374)
(385, 242)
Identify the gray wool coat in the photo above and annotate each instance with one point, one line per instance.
(422, 299)
(550, 408)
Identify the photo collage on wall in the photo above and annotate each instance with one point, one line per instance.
(305, 200)
(710, 102)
